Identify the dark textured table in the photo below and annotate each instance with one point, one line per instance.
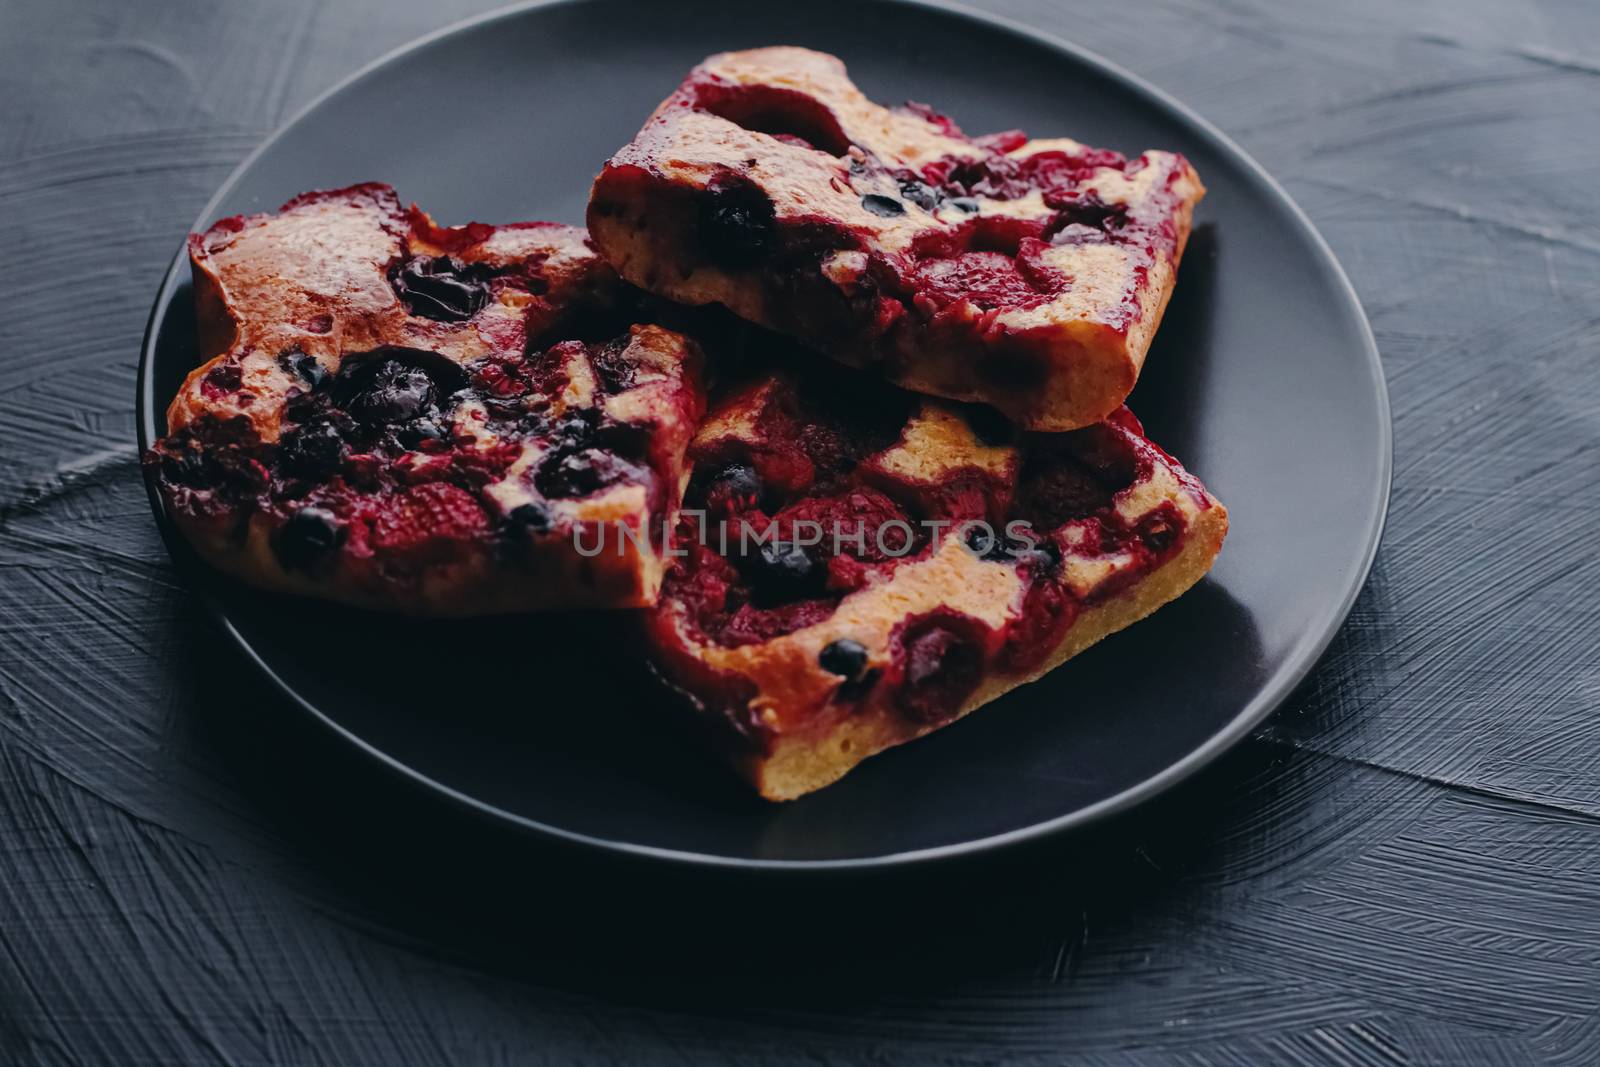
(1403, 866)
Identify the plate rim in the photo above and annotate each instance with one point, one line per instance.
(1267, 699)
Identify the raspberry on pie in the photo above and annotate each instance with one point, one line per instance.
(397, 414)
(857, 566)
(1026, 274)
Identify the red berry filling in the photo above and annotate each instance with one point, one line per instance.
(938, 662)
(224, 378)
(431, 523)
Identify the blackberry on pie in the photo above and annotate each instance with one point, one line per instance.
(943, 568)
(430, 419)
(1026, 274)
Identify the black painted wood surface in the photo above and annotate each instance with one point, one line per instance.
(1403, 866)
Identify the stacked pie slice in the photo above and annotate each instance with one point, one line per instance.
(400, 415)
(915, 489)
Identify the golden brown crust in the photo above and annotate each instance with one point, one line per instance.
(414, 389)
(1128, 531)
(1030, 275)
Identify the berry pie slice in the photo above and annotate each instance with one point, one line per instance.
(395, 414)
(1027, 274)
(857, 566)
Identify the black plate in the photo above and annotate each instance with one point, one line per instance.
(1264, 380)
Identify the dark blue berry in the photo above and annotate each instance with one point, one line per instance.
(1085, 218)
(964, 203)
(567, 474)
(846, 658)
(225, 377)
(736, 223)
(983, 543)
(530, 517)
(439, 288)
(395, 393)
(302, 366)
(313, 450)
(189, 467)
(427, 428)
(576, 428)
(921, 194)
(886, 207)
(782, 571)
(308, 538)
(1045, 556)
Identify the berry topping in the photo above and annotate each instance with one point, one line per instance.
(419, 433)
(440, 288)
(921, 194)
(736, 223)
(1047, 611)
(983, 543)
(302, 366)
(313, 450)
(223, 378)
(530, 517)
(784, 571)
(846, 658)
(396, 393)
(735, 488)
(988, 279)
(1087, 209)
(587, 455)
(940, 661)
(310, 536)
(886, 207)
(1085, 219)
(616, 372)
(1043, 557)
(393, 386)
(578, 473)
(428, 523)
(188, 467)
(1055, 488)
(1158, 529)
